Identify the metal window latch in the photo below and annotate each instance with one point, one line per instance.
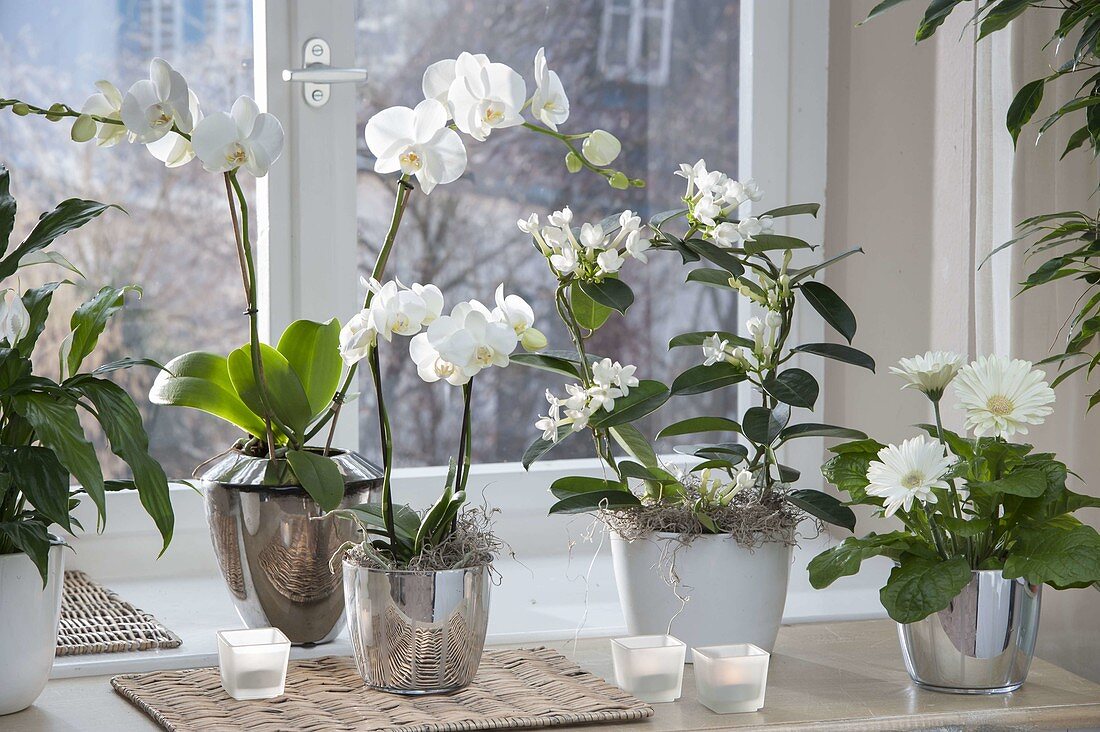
(317, 74)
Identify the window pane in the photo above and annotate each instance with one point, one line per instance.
(463, 236)
(175, 242)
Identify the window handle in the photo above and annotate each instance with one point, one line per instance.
(317, 75)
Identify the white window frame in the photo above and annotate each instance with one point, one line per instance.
(307, 248)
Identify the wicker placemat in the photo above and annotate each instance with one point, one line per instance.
(522, 689)
(96, 620)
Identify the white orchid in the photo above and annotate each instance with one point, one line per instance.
(431, 365)
(356, 338)
(433, 301)
(469, 340)
(107, 103)
(175, 150)
(153, 106)
(485, 97)
(417, 142)
(400, 310)
(514, 311)
(438, 77)
(601, 148)
(549, 104)
(15, 321)
(245, 138)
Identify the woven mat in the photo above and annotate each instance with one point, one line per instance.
(522, 689)
(96, 620)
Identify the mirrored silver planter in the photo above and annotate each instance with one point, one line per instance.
(417, 632)
(982, 643)
(273, 545)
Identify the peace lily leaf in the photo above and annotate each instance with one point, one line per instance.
(611, 292)
(845, 559)
(644, 398)
(89, 320)
(793, 386)
(573, 484)
(701, 379)
(121, 422)
(32, 539)
(762, 425)
(595, 501)
(589, 313)
(547, 363)
(319, 476)
(829, 305)
(125, 363)
(37, 302)
(201, 381)
(42, 479)
(823, 506)
(919, 587)
(313, 352)
(69, 214)
(56, 258)
(7, 208)
(635, 444)
(285, 393)
(695, 425)
(57, 426)
(1060, 551)
(838, 352)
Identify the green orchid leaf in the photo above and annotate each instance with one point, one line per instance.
(919, 587)
(313, 351)
(319, 476)
(369, 516)
(823, 506)
(285, 393)
(201, 381)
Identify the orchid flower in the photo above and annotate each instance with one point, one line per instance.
(153, 106)
(485, 97)
(173, 149)
(417, 142)
(106, 103)
(549, 104)
(246, 137)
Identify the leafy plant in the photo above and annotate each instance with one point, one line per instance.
(741, 255)
(42, 442)
(965, 503)
(1064, 243)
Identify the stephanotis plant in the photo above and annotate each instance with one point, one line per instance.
(728, 480)
(966, 502)
(42, 441)
(452, 348)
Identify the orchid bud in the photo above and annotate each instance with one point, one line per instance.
(619, 181)
(21, 109)
(56, 112)
(84, 129)
(573, 163)
(637, 183)
(533, 340)
(601, 148)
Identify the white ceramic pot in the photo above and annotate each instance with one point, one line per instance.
(734, 595)
(28, 627)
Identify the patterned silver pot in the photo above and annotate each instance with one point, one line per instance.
(273, 545)
(982, 643)
(417, 632)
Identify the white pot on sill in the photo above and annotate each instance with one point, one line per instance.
(734, 595)
(28, 627)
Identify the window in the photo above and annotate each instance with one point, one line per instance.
(174, 242)
(463, 236)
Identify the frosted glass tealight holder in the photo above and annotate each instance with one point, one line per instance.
(253, 662)
(731, 678)
(651, 667)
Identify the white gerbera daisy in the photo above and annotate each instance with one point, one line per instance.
(930, 373)
(908, 472)
(1003, 396)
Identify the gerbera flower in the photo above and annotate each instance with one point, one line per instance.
(930, 373)
(908, 472)
(1003, 396)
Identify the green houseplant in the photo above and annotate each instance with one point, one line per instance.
(986, 522)
(733, 503)
(43, 445)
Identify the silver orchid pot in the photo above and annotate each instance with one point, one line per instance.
(982, 643)
(417, 632)
(273, 544)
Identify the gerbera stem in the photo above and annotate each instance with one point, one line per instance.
(956, 502)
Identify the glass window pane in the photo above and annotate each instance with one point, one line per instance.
(463, 236)
(175, 242)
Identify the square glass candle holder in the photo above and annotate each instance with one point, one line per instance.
(651, 667)
(731, 678)
(253, 662)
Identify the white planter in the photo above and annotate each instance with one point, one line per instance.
(734, 595)
(28, 627)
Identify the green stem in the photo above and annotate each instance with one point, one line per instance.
(567, 141)
(69, 112)
(464, 437)
(387, 448)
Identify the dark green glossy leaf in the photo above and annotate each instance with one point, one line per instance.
(589, 313)
(69, 214)
(881, 8)
(919, 587)
(823, 506)
(724, 258)
(611, 292)
(695, 425)
(696, 339)
(541, 446)
(773, 242)
(1000, 15)
(644, 398)
(7, 209)
(1060, 551)
(285, 393)
(793, 386)
(794, 210)
(719, 278)
(810, 271)
(595, 501)
(201, 381)
(700, 379)
(810, 429)
(547, 363)
(845, 559)
(635, 444)
(37, 474)
(762, 425)
(934, 15)
(319, 476)
(571, 485)
(838, 352)
(829, 305)
(32, 539)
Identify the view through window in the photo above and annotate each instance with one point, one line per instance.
(662, 75)
(175, 242)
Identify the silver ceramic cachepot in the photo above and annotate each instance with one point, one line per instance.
(982, 643)
(417, 632)
(273, 544)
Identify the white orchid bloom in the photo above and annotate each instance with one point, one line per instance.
(15, 321)
(417, 142)
(610, 261)
(246, 137)
(431, 365)
(514, 311)
(106, 103)
(175, 150)
(433, 301)
(485, 97)
(549, 104)
(356, 338)
(637, 245)
(438, 77)
(153, 106)
(601, 148)
(394, 309)
(493, 342)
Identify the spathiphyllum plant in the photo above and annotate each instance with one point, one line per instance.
(979, 501)
(43, 445)
(726, 480)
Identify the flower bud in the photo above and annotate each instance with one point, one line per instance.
(755, 327)
(573, 162)
(533, 340)
(774, 319)
(21, 109)
(56, 111)
(84, 129)
(601, 148)
(619, 181)
(637, 182)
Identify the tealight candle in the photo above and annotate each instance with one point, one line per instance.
(253, 662)
(731, 678)
(651, 667)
